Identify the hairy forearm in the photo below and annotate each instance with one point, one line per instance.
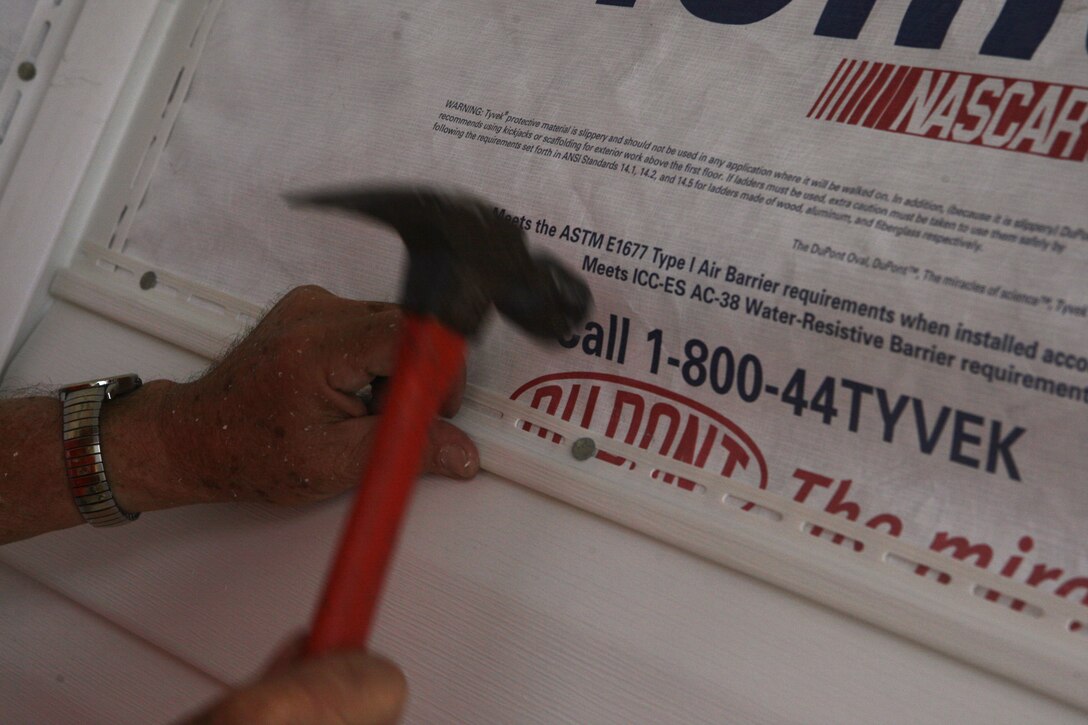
(34, 492)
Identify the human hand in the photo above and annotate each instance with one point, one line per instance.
(342, 688)
(277, 419)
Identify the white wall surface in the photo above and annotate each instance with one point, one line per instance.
(63, 663)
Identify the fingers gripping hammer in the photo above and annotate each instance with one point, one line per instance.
(462, 260)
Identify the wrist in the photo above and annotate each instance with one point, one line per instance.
(137, 453)
(34, 492)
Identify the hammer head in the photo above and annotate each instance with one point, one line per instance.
(463, 258)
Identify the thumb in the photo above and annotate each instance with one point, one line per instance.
(448, 450)
(343, 688)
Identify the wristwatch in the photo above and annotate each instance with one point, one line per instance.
(80, 428)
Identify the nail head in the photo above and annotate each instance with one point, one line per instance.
(583, 449)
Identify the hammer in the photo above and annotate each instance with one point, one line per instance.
(462, 259)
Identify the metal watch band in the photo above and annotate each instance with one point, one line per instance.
(82, 408)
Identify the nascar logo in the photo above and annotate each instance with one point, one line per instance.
(1012, 114)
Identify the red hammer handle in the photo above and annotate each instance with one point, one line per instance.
(430, 359)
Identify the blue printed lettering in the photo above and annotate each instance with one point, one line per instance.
(1018, 32)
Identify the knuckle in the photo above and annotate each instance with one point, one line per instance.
(386, 323)
(393, 696)
(385, 685)
(302, 298)
(394, 683)
(309, 292)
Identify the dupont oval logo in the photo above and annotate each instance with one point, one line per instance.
(651, 418)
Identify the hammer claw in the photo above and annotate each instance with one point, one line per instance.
(464, 257)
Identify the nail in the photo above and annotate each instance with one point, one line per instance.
(454, 460)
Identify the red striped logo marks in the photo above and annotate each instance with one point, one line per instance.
(1013, 114)
(649, 417)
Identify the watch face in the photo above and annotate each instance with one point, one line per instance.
(123, 385)
(85, 384)
(115, 386)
